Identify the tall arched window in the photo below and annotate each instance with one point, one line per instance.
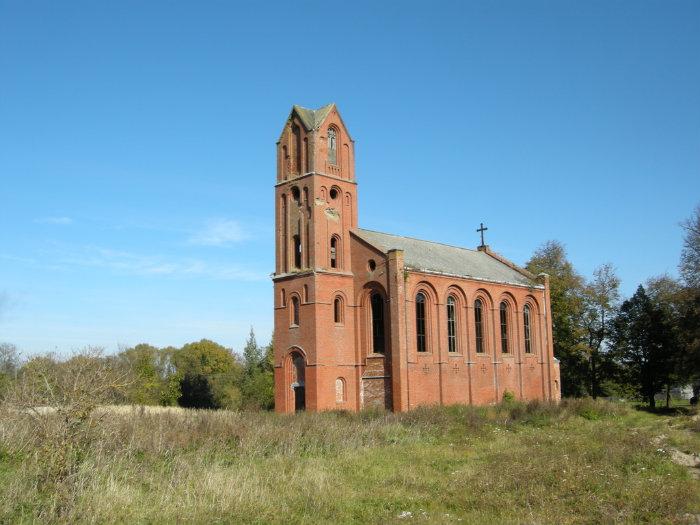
(504, 327)
(479, 325)
(451, 324)
(295, 311)
(296, 134)
(296, 195)
(283, 298)
(377, 302)
(332, 147)
(420, 322)
(297, 251)
(338, 310)
(526, 325)
(334, 252)
(285, 156)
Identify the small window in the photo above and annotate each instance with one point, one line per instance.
(372, 265)
(377, 323)
(283, 298)
(340, 390)
(297, 252)
(305, 295)
(526, 325)
(420, 322)
(332, 147)
(295, 311)
(504, 327)
(451, 324)
(334, 252)
(338, 310)
(333, 193)
(479, 325)
(296, 195)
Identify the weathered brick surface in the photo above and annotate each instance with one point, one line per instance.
(317, 201)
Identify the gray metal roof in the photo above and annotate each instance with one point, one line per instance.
(313, 118)
(440, 258)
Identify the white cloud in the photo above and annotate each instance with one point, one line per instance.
(63, 221)
(147, 265)
(219, 232)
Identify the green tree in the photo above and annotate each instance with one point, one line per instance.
(566, 293)
(209, 376)
(643, 345)
(600, 297)
(689, 318)
(257, 387)
(155, 379)
(668, 295)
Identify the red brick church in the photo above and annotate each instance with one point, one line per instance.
(364, 318)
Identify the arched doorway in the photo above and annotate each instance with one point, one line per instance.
(297, 381)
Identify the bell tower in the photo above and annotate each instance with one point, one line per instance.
(315, 209)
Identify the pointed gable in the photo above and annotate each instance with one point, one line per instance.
(313, 118)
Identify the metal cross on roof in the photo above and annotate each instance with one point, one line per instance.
(481, 230)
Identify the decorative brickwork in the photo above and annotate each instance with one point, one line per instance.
(354, 342)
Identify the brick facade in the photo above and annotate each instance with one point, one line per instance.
(345, 309)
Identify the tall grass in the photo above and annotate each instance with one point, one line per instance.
(577, 462)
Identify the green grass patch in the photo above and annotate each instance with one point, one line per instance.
(577, 462)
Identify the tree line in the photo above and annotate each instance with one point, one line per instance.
(632, 348)
(202, 374)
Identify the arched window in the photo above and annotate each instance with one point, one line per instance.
(479, 325)
(420, 322)
(504, 327)
(332, 147)
(295, 311)
(283, 298)
(297, 251)
(285, 156)
(377, 302)
(340, 390)
(338, 310)
(526, 325)
(305, 295)
(296, 195)
(296, 134)
(334, 252)
(451, 324)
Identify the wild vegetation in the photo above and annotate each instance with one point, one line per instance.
(582, 461)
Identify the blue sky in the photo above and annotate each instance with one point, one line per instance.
(137, 146)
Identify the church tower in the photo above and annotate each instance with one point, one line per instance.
(315, 209)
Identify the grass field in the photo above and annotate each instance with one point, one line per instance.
(579, 462)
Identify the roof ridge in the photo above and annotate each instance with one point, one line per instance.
(421, 240)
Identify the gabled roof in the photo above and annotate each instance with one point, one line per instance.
(434, 257)
(313, 118)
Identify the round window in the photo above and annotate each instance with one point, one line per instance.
(372, 265)
(334, 193)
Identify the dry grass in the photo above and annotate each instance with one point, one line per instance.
(580, 462)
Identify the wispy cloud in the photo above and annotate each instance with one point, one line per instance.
(149, 265)
(61, 221)
(219, 232)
